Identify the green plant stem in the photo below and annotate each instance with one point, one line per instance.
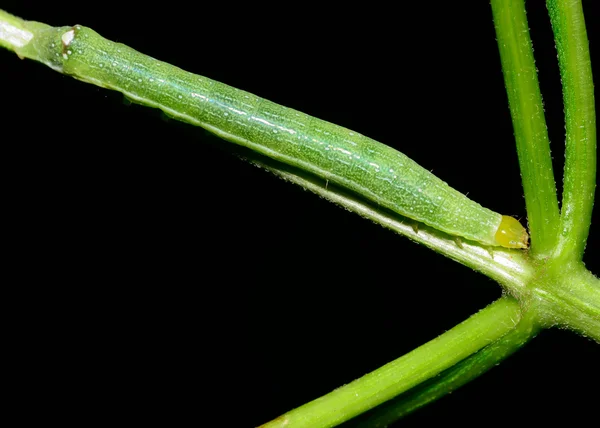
(565, 293)
(570, 34)
(570, 297)
(510, 268)
(531, 135)
(13, 33)
(342, 404)
(453, 378)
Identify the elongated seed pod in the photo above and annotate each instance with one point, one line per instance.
(339, 155)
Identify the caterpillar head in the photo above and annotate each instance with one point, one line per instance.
(511, 234)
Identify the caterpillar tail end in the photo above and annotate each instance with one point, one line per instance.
(511, 234)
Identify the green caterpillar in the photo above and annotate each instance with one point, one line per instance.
(339, 155)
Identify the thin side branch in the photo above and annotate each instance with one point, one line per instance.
(342, 404)
(570, 34)
(531, 135)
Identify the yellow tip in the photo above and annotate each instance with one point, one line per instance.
(511, 234)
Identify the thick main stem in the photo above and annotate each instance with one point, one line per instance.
(570, 297)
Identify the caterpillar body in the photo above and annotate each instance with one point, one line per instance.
(337, 154)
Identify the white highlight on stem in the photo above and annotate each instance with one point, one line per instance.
(13, 35)
(67, 38)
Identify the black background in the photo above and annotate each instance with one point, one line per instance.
(162, 279)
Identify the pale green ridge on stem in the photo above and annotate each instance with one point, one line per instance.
(342, 404)
(453, 378)
(568, 24)
(564, 293)
(509, 267)
(531, 135)
(31, 39)
(13, 33)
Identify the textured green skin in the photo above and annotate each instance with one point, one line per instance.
(332, 152)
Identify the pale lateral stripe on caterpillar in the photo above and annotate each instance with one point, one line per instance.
(339, 155)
